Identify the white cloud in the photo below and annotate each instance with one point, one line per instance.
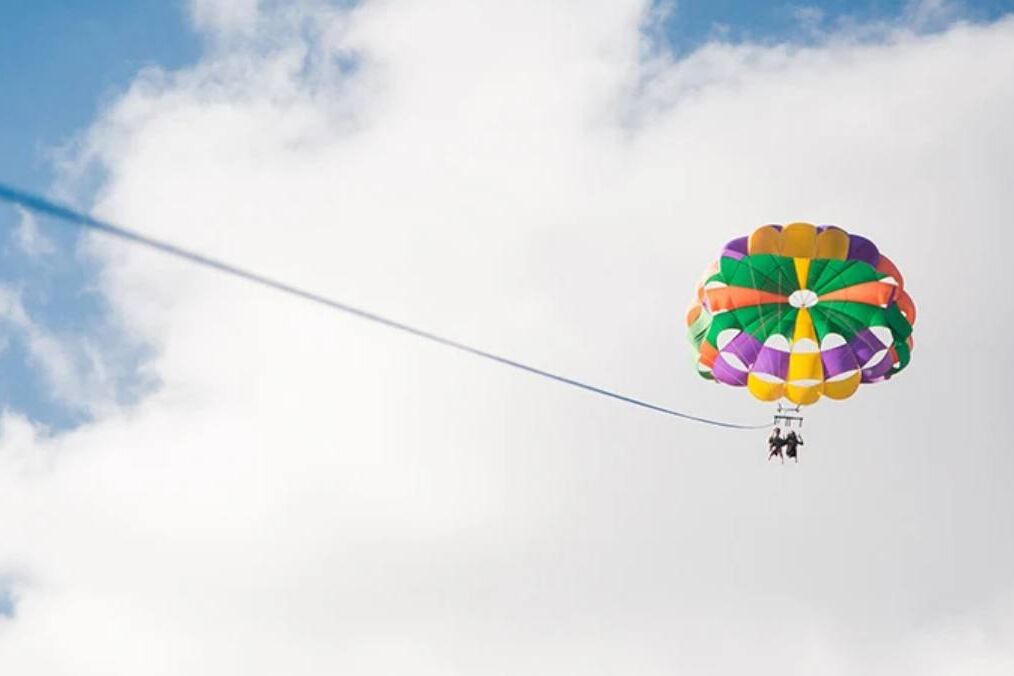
(932, 14)
(308, 494)
(808, 16)
(224, 17)
(73, 367)
(28, 237)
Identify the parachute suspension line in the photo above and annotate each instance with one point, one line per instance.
(64, 213)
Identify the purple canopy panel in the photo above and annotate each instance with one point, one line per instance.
(772, 362)
(724, 373)
(736, 249)
(863, 249)
(878, 371)
(838, 360)
(865, 344)
(745, 347)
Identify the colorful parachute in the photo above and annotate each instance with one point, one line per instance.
(801, 311)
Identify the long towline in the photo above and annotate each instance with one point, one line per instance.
(68, 215)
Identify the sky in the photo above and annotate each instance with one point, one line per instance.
(63, 61)
(95, 50)
(199, 477)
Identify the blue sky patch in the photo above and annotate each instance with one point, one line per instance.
(6, 600)
(64, 61)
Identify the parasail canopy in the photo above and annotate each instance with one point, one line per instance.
(799, 312)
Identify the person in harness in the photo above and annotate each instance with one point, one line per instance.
(775, 443)
(792, 441)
